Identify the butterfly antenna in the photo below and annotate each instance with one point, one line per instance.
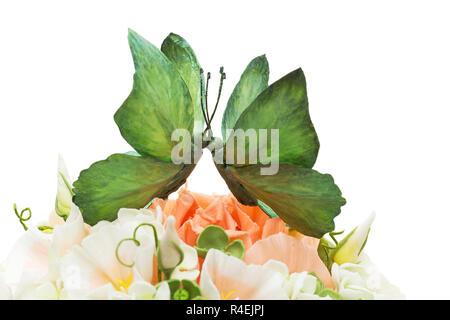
(201, 98)
(223, 76)
(208, 76)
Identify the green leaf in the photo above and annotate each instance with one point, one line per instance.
(192, 288)
(284, 106)
(125, 181)
(305, 199)
(180, 53)
(326, 251)
(252, 82)
(236, 249)
(213, 237)
(322, 291)
(330, 293)
(158, 104)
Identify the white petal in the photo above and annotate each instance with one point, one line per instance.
(170, 257)
(142, 290)
(30, 253)
(278, 266)
(69, 234)
(80, 274)
(101, 249)
(5, 290)
(230, 277)
(46, 291)
(163, 292)
(144, 262)
(189, 275)
(190, 260)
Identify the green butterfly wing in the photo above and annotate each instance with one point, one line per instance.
(159, 103)
(304, 198)
(284, 106)
(125, 181)
(180, 53)
(252, 82)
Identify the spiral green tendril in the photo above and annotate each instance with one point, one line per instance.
(136, 242)
(22, 219)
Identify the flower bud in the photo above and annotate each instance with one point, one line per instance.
(349, 248)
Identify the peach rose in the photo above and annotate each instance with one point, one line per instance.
(194, 211)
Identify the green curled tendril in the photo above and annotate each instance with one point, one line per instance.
(22, 219)
(155, 234)
(136, 242)
(332, 234)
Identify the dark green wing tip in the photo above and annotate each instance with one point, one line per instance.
(175, 39)
(261, 59)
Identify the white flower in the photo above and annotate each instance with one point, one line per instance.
(170, 256)
(361, 280)
(226, 277)
(298, 286)
(32, 267)
(92, 270)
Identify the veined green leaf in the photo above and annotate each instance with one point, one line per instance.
(183, 57)
(284, 106)
(252, 82)
(125, 181)
(158, 104)
(305, 199)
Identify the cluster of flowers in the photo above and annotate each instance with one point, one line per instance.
(194, 247)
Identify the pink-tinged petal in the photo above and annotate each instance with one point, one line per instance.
(274, 226)
(69, 234)
(297, 254)
(29, 254)
(227, 277)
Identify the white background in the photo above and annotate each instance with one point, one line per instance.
(378, 77)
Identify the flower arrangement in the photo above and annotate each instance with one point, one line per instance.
(115, 234)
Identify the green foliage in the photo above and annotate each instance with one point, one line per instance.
(215, 237)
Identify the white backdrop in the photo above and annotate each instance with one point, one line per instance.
(378, 77)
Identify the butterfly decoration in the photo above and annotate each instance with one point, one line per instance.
(169, 93)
